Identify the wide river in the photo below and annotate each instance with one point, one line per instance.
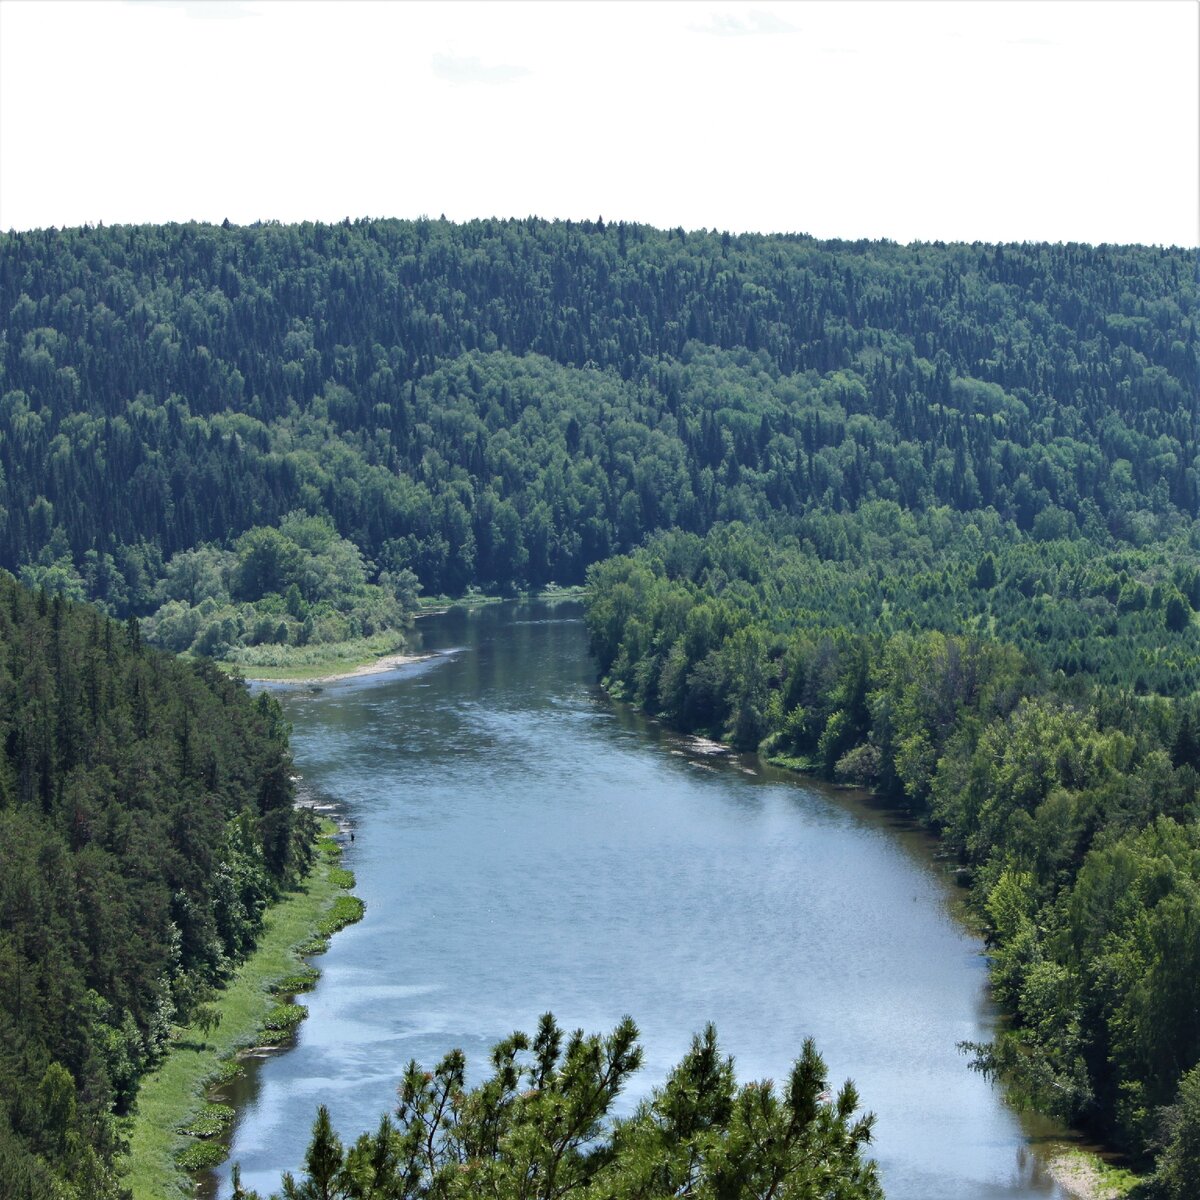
(525, 846)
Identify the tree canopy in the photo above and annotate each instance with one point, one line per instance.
(540, 1127)
(146, 821)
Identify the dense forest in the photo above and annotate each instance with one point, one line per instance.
(503, 403)
(918, 518)
(146, 821)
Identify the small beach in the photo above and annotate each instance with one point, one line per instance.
(389, 662)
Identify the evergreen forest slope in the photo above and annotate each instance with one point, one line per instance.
(146, 821)
(503, 403)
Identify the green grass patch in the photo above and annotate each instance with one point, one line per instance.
(805, 766)
(285, 1016)
(341, 877)
(344, 911)
(208, 1122)
(229, 1070)
(172, 1097)
(201, 1156)
(297, 982)
(294, 664)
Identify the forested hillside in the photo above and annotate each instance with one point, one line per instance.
(504, 402)
(146, 821)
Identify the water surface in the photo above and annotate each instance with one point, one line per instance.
(524, 846)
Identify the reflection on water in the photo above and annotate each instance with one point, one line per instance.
(523, 846)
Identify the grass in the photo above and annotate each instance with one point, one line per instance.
(298, 664)
(801, 764)
(173, 1097)
(294, 664)
(1088, 1174)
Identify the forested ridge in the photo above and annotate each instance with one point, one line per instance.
(504, 402)
(921, 518)
(146, 821)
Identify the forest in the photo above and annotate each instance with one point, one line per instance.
(920, 519)
(146, 821)
(503, 403)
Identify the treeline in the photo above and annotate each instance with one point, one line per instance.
(146, 821)
(503, 403)
(1116, 615)
(1074, 807)
(540, 1127)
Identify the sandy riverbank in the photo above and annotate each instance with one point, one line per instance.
(389, 662)
(1085, 1176)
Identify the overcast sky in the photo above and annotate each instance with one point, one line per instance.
(958, 119)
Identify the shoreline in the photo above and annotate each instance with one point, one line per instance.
(1085, 1175)
(333, 670)
(175, 1095)
(388, 662)
(1082, 1172)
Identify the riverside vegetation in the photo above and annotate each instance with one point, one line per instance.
(1073, 803)
(146, 822)
(972, 467)
(175, 1129)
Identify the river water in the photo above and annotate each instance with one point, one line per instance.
(525, 846)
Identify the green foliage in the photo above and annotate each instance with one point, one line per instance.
(209, 1121)
(934, 532)
(1073, 804)
(344, 911)
(206, 1018)
(503, 403)
(202, 1156)
(285, 1016)
(298, 981)
(540, 1127)
(1178, 1174)
(146, 821)
(298, 585)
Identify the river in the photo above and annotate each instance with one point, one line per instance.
(524, 846)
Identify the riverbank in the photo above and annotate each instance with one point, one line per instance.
(315, 675)
(1086, 1176)
(1078, 1167)
(254, 1014)
(338, 661)
(304, 664)
(428, 606)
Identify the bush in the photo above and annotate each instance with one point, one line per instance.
(299, 981)
(342, 878)
(202, 1156)
(285, 1016)
(344, 911)
(208, 1122)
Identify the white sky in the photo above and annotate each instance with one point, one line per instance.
(960, 119)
